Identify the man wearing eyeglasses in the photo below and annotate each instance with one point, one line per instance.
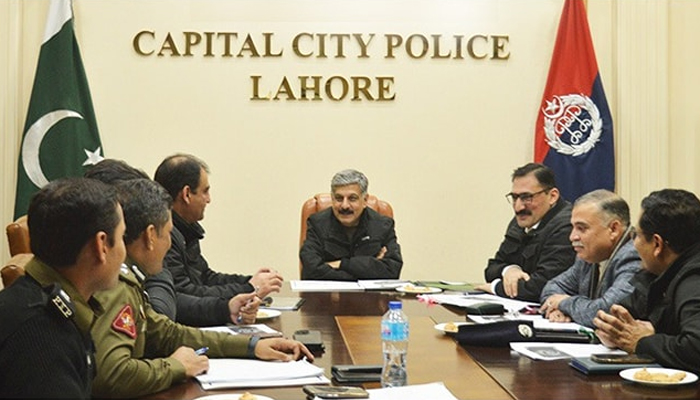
(661, 319)
(536, 246)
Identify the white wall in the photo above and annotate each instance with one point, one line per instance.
(441, 153)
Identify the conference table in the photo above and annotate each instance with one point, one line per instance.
(349, 323)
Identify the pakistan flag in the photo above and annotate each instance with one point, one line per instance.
(60, 133)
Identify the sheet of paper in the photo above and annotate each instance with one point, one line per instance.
(431, 391)
(538, 321)
(380, 284)
(556, 351)
(234, 372)
(314, 380)
(464, 300)
(324, 286)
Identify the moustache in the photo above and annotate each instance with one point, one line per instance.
(345, 211)
(523, 212)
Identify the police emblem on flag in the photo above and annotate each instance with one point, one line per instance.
(572, 124)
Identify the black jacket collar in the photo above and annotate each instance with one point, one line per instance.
(338, 230)
(193, 231)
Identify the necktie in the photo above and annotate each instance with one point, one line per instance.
(595, 279)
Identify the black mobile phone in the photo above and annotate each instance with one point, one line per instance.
(311, 339)
(308, 337)
(346, 373)
(620, 359)
(485, 308)
(336, 392)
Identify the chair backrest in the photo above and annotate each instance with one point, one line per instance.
(321, 201)
(18, 236)
(14, 268)
(21, 252)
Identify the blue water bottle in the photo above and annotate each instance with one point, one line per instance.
(394, 346)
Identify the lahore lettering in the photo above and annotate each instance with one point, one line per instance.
(321, 46)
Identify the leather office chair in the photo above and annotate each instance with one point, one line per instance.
(14, 268)
(321, 201)
(18, 236)
(21, 252)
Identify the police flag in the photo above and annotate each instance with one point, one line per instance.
(574, 130)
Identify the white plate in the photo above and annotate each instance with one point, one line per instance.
(628, 374)
(441, 327)
(267, 314)
(232, 396)
(418, 289)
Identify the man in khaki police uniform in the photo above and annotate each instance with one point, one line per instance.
(140, 351)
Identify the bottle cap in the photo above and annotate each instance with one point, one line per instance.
(394, 305)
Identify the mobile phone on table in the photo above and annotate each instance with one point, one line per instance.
(308, 337)
(336, 392)
(620, 359)
(344, 373)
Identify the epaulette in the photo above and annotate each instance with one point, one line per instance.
(137, 272)
(127, 275)
(59, 301)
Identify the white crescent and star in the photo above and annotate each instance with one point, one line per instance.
(32, 141)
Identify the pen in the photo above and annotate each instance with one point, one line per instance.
(202, 351)
(239, 318)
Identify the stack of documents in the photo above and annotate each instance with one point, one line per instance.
(513, 311)
(239, 373)
(346, 286)
(466, 300)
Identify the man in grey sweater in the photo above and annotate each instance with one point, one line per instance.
(606, 261)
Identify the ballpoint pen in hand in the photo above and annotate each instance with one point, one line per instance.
(239, 318)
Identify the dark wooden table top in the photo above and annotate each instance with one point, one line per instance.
(347, 322)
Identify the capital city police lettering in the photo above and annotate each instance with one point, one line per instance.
(572, 124)
(322, 46)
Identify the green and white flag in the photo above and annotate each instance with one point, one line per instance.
(60, 133)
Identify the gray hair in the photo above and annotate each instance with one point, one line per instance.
(350, 177)
(612, 205)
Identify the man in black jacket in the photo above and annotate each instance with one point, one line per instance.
(350, 241)
(186, 178)
(661, 318)
(76, 232)
(536, 247)
(181, 307)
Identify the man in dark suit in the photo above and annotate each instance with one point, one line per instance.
(661, 319)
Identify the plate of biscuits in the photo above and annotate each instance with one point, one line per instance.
(267, 314)
(415, 289)
(450, 328)
(658, 376)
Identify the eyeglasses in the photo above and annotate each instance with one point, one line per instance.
(526, 198)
